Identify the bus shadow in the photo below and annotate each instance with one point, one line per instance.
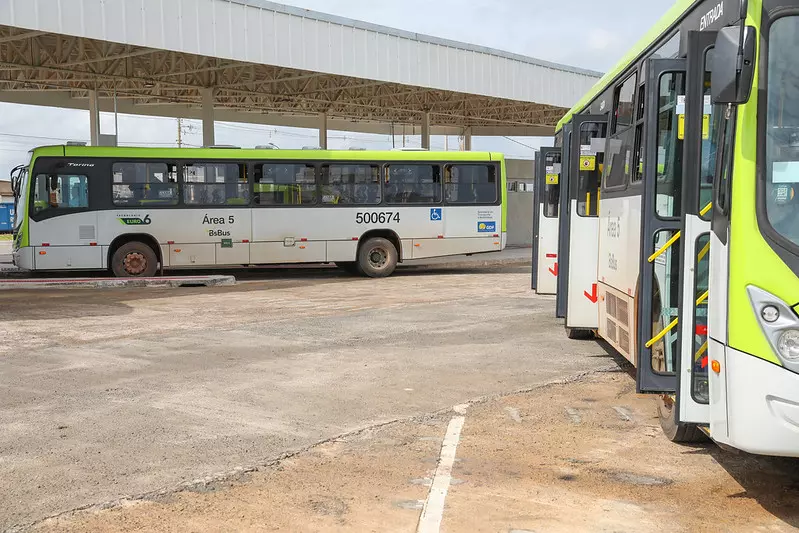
(772, 482)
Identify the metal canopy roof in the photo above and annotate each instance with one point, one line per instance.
(273, 64)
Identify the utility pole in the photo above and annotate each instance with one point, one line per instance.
(183, 129)
(180, 133)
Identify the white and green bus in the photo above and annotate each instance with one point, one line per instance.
(137, 211)
(679, 220)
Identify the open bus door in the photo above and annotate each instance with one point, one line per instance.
(578, 242)
(546, 199)
(698, 176)
(563, 224)
(679, 167)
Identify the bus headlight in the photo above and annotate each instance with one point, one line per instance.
(779, 323)
(789, 345)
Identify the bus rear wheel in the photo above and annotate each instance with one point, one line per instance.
(134, 260)
(679, 432)
(377, 258)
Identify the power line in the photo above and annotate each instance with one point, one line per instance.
(521, 143)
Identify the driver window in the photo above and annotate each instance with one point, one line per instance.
(60, 192)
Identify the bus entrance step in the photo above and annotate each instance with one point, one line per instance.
(108, 283)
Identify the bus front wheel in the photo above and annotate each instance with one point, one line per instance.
(134, 260)
(676, 431)
(377, 258)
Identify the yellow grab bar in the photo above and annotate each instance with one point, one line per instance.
(701, 352)
(702, 298)
(665, 247)
(663, 333)
(677, 235)
(703, 252)
(588, 204)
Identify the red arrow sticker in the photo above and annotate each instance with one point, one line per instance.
(554, 271)
(593, 297)
(552, 256)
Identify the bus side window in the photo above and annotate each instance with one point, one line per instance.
(413, 184)
(471, 184)
(60, 192)
(351, 184)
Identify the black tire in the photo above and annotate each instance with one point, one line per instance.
(134, 260)
(377, 258)
(351, 267)
(579, 334)
(679, 432)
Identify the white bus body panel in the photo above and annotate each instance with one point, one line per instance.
(583, 256)
(618, 271)
(755, 404)
(690, 410)
(240, 236)
(548, 227)
(620, 243)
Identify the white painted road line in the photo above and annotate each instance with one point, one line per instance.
(433, 510)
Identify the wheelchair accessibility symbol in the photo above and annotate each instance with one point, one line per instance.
(435, 213)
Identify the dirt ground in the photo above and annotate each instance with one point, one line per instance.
(108, 394)
(585, 455)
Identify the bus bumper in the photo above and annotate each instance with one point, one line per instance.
(23, 258)
(762, 405)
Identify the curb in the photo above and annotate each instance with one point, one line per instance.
(111, 283)
(486, 263)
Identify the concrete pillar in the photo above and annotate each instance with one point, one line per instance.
(426, 130)
(323, 131)
(467, 139)
(209, 138)
(94, 119)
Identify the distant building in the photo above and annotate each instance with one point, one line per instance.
(6, 196)
(520, 174)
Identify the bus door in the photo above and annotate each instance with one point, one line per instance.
(579, 222)
(659, 282)
(679, 166)
(698, 172)
(546, 199)
(563, 223)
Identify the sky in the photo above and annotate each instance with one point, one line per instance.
(583, 33)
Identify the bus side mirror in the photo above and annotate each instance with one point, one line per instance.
(733, 65)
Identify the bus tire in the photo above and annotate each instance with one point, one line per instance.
(134, 259)
(579, 334)
(377, 258)
(679, 432)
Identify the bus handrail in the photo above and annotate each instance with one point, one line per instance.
(677, 235)
(663, 333)
(674, 322)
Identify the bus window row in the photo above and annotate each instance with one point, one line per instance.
(148, 184)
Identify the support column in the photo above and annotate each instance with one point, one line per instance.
(426, 130)
(94, 119)
(323, 131)
(467, 139)
(209, 138)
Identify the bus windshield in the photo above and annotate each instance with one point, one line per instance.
(19, 184)
(782, 129)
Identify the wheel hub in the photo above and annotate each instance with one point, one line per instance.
(378, 257)
(135, 263)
